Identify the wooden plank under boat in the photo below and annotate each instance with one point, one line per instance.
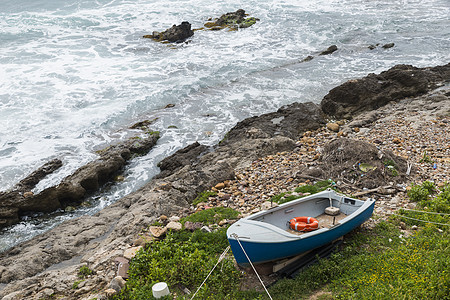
(267, 237)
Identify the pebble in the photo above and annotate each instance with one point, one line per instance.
(131, 252)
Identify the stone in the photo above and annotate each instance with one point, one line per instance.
(122, 269)
(110, 292)
(333, 127)
(389, 45)
(131, 252)
(177, 226)
(28, 194)
(157, 231)
(396, 141)
(117, 284)
(191, 226)
(220, 186)
(174, 219)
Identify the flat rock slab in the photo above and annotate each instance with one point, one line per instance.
(74, 188)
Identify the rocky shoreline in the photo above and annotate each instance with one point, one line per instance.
(402, 113)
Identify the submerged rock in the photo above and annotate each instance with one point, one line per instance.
(330, 50)
(177, 33)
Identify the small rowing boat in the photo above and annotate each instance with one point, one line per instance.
(282, 231)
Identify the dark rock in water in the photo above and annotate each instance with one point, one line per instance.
(389, 45)
(13, 201)
(308, 58)
(177, 33)
(232, 20)
(34, 178)
(74, 188)
(374, 91)
(330, 50)
(143, 125)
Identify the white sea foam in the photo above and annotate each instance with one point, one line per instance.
(75, 74)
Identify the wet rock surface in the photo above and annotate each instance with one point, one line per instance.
(259, 158)
(374, 91)
(74, 188)
(232, 20)
(176, 33)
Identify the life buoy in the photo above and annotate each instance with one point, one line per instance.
(304, 224)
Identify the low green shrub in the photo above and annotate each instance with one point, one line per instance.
(184, 259)
(311, 189)
(203, 197)
(84, 272)
(212, 215)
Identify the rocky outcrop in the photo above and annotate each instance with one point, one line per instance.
(374, 91)
(74, 188)
(11, 201)
(289, 121)
(176, 33)
(232, 20)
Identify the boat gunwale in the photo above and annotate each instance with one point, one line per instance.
(291, 236)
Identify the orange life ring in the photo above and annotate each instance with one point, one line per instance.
(304, 224)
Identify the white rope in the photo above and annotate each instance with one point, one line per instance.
(220, 259)
(420, 220)
(262, 283)
(427, 212)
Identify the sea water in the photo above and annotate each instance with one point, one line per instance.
(76, 74)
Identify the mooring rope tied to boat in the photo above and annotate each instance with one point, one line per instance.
(420, 220)
(262, 283)
(221, 257)
(427, 212)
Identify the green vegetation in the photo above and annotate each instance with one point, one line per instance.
(311, 189)
(84, 272)
(248, 22)
(212, 215)
(203, 197)
(391, 166)
(430, 199)
(379, 263)
(76, 283)
(183, 260)
(426, 159)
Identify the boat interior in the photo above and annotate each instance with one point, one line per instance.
(281, 215)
